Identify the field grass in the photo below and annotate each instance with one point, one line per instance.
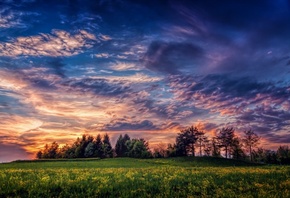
(125, 177)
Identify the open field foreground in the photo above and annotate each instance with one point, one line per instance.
(125, 177)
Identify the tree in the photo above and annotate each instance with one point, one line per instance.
(160, 151)
(215, 148)
(79, 150)
(50, 151)
(211, 148)
(87, 146)
(83, 143)
(251, 140)
(39, 155)
(90, 150)
(138, 148)
(171, 150)
(237, 149)
(106, 147)
(180, 145)
(207, 148)
(185, 141)
(201, 141)
(283, 155)
(258, 155)
(225, 138)
(120, 147)
(265, 156)
(45, 152)
(98, 146)
(271, 157)
(67, 151)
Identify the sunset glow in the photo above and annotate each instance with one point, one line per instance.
(145, 68)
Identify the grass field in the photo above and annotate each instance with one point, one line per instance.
(125, 177)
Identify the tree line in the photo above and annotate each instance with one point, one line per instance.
(88, 147)
(226, 143)
(189, 142)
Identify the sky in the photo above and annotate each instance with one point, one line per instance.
(145, 68)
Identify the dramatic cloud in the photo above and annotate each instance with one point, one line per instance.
(169, 57)
(58, 43)
(244, 100)
(97, 86)
(144, 68)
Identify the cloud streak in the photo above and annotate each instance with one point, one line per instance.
(244, 101)
(58, 43)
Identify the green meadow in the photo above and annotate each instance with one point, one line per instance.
(128, 177)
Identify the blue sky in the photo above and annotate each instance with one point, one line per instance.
(145, 68)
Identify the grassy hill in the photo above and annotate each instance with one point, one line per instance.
(128, 163)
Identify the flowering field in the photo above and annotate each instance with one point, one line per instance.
(142, 178)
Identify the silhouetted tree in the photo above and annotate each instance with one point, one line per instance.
(106, 147)
(265, 156)
(138, 148)
(90, 150)
(237, 149)
(185, 141)
(283, 155)
(98, 146)
(207, 148)
(180, 145)
(86, 146)
(171, 150)
(271, 157)
(201, 141)
(160, 151)
(67, 151)
(39, 155)
(45, 152)
(258, 155)
(50, 151)
(225, 138)
(215, 148)
(53, 150)
(79, 150)
(83, 143)
(251, 140)
(120, 147)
